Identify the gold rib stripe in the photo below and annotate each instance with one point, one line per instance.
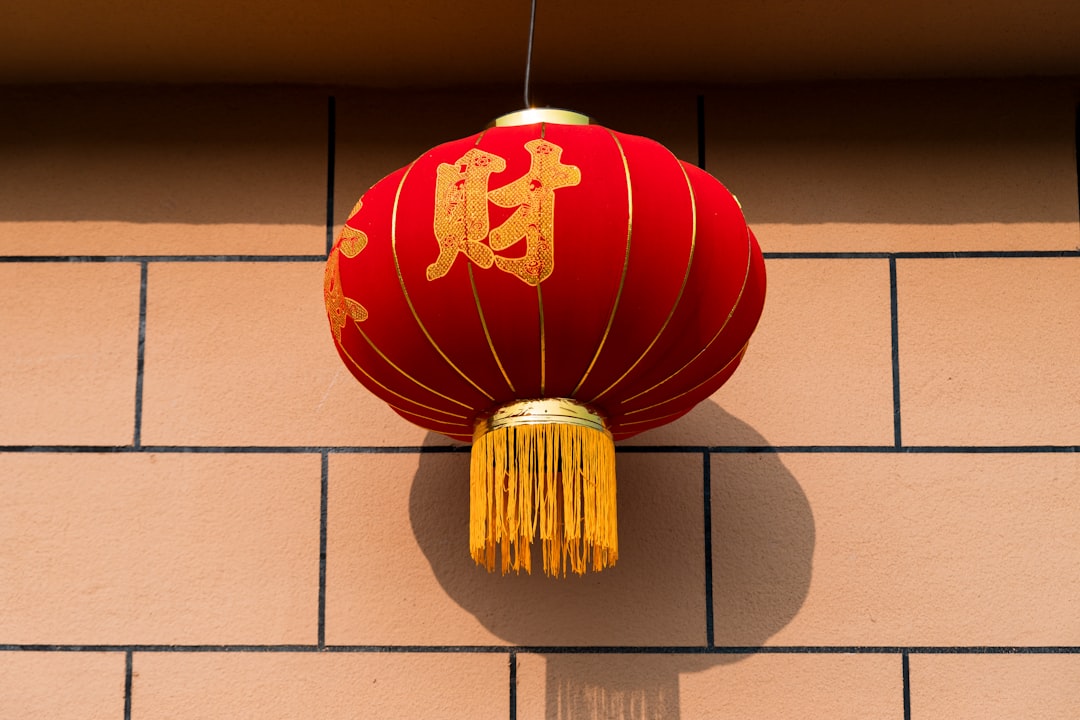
(466, 425)
(682, 288)
(540, 303)
(655, 419)
(738, 300)
(408, 300)
(626, 262)
(480, 310)
(394, 392)
(410, 377)
(543, 342)
(487, 334)
(687, 392)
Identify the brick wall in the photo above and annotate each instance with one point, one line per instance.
(202, 515)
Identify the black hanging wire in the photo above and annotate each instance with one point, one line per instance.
(528, 57)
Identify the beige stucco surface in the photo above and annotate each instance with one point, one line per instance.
(64, 686)
(159, 549)
(996, 686)
(69, 372)
(413, 587)
(890, 480)
(347, 685)
(164, 172)
(771, 687)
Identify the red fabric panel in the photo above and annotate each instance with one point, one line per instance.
(591, 232)
(444, 306)
(369, 278)
(662, 238)
(700, 338)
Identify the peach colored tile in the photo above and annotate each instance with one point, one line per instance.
(159, 549)
(900, 166)
(988, 351)
(61, 685)
(163, 171)
(709, 686)
(327, 686)
(241, 354)
(818, 370)
(992, 687)
(70, 338)
(908, 549)
(762, 547)
(399, 571)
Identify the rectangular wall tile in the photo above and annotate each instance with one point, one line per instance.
(98, 171)
(900, 166)
(61, 685)
(763, 549)
(149, 549)
(70, 339)
(988, 351)
(908, 549)
(709, 686)
(399, 571)
(328, 686)
(995, 687)
(241, 354)
(818, 370)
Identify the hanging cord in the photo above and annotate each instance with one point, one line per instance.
(528, 57)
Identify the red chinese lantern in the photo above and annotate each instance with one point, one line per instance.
(541, 289)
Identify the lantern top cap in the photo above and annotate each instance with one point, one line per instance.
(531, 116)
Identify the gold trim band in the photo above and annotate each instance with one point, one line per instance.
(540, 411)
(531, 116)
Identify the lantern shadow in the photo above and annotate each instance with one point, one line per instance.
(655, 597)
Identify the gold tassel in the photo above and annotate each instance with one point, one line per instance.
(548, 466)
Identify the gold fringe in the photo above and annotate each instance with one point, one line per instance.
(557, 477)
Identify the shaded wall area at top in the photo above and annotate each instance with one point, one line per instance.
(97, 170)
